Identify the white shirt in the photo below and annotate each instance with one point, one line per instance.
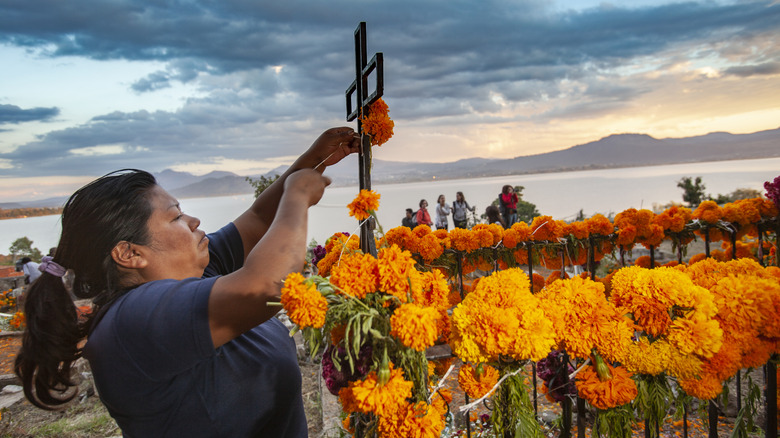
(441, 215)
(30, 269)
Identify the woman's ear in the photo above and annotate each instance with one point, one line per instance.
(127, 255)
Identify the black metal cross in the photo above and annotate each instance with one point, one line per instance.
(359, 87)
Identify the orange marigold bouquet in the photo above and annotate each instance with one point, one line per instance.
(375, 316)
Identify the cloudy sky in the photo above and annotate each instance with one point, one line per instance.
(90, 86)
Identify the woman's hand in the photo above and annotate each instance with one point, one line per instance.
(307, 183)
(332, 146)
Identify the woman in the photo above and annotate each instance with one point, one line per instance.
(181, 339)
(442, 211)
(508, 202)
(422, 215)
(493, 216)
(459, 208)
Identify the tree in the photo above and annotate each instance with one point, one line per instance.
(23, 248)
(261, 184)
(693, 190)
(736, 195)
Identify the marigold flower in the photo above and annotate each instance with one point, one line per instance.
(415, 326)
(378, 123)
(395, 268)
(414, 420)
(366, 202)
(708, 211)
(434, 290)
(501, 317)
(305, 306)
(617, 391)
(356, 274)
(475, 385)
(368, 396)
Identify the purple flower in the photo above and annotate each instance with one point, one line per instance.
(335, 379)
(318, 253)
(773, 190)
(549, 370)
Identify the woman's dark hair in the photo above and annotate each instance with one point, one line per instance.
(421, 202)
(460, 195)
(505, 189)
(109, 210)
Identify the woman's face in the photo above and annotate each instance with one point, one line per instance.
(441, 200)
(423, 204)
(177, 248)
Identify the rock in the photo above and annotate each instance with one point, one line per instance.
(11, 389)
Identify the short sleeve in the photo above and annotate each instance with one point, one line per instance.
(226, 251)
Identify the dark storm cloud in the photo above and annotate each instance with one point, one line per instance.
(767, 68)
(14, 114)
(442, 59)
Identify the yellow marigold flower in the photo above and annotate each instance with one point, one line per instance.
(702, 337)
(415, 326)
(366, 202)
(378, 123)
(583, 319)
(617, 391)
(368, 396)
(304, 304)
(356, 274)
(501, 317)
(475, 385)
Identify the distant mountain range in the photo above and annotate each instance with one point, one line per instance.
(620, 150)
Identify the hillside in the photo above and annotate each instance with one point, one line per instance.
(619, 150)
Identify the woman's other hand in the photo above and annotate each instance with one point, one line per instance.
(307, 183)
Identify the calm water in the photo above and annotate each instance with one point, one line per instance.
(560, 195)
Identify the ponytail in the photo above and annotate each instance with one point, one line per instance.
(49, 344)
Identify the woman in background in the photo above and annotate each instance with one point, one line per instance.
(442, 211)
(459, 209)
(422, 215)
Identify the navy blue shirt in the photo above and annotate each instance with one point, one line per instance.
(159, 375)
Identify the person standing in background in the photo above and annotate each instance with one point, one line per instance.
(459, 208)
(409, 220)
(493, 216)
(423, 217)
(508, 205)
(442, 211)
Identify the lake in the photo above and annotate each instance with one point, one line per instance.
(560, 195)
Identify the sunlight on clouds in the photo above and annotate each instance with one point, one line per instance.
(5, 164)
(92, 151)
